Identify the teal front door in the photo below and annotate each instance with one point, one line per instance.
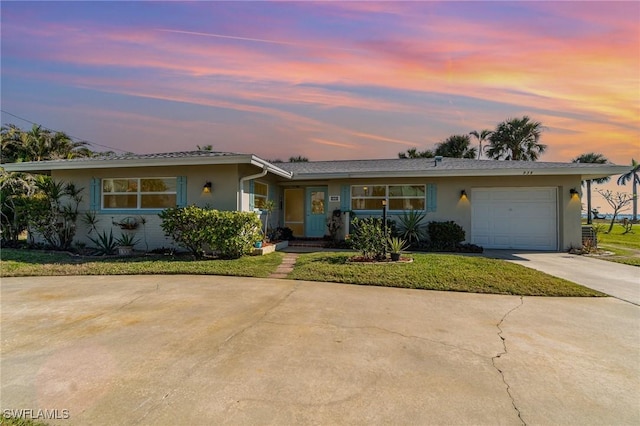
(315, 211)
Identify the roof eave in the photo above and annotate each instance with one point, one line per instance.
(584, 173)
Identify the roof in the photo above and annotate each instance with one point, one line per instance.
(181, 158)
(429, 167)
(412, 167)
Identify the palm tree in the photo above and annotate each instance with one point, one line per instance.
(40, 144)
(592, 158)
(633, 176)
(516, 139)
(414, 153)
(456, 146)
(481, 137)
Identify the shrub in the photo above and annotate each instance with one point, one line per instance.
(445, 235)
(105, 243)
(369, 237)
(187, 226)
(232, 234)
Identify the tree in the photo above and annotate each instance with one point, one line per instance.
(205, 147)
(456, 146)
(516, 139)
(414, 153)
(39, 144)
(298, 159)
(592, 158)
(632, 175)
(617, 201)
(481, 137)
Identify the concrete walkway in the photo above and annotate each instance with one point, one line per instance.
(288, 262)
(615, 279)
(202, 350)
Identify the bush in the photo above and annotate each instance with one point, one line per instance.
(411, 228)
(369, 237)
(187, 226)
(231, 234)
(445, 236)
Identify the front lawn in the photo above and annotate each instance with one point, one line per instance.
(625, 247)
(617, 237)
(445, 272)
(20, 263)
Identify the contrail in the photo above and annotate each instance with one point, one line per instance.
(258, 40)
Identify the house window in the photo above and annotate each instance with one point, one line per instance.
(260, 194)
(139, 193)
(398, 197)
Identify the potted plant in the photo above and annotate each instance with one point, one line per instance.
(396, 245)
(125, 244)
(128, 223)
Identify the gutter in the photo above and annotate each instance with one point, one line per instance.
(264, 172)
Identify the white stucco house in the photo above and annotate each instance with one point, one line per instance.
(500, 204)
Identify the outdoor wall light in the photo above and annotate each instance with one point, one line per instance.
(463, 194)
(384, 203)
(574, 193)
(207, 188)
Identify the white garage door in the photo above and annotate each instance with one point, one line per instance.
(514, 218)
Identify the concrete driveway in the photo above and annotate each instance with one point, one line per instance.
(615, 279)
(207, 350)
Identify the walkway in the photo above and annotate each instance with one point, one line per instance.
(615, 279)
(288, 261)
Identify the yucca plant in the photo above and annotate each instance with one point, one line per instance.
(396, 245)
(411, 228)
(105, 244)
(127, 240)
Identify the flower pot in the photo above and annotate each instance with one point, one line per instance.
(258, 244)
(395, 257)
(125, 250)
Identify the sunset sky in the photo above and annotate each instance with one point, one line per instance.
(325, 80)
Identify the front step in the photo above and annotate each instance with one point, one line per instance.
(317, 243)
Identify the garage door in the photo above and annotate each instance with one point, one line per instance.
(514, 218)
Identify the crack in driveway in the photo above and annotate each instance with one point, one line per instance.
(504, 352)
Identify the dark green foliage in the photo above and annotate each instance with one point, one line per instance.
(57, 222)
(105, 243)
(456, 146)
(369, 237)
(414, 153)
(444, 236)
(411, 227)
(516, 139)
(231, 234)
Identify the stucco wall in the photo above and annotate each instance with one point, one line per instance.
(224, 179)
(451, 207)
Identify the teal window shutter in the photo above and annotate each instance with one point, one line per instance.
(432, 197)
(94, 195)
(345, 200)
(252, 197)
(181, 191)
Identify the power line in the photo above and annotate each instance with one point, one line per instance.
(71, 136)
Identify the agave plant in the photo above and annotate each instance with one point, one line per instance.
(105, 243)
(396, 244)
(411, 228)
(127, 240)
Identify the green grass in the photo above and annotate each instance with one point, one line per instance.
(617, 237)
(20, 263)
(16, 421)
(625, 247)
(438, 272)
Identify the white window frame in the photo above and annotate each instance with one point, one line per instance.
(139, 193)
(386, 197)
(257, 196)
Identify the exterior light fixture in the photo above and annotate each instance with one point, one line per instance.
(207, 188)
(463, 194)
(574, 193)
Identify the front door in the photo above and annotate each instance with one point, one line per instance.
(316, 206)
